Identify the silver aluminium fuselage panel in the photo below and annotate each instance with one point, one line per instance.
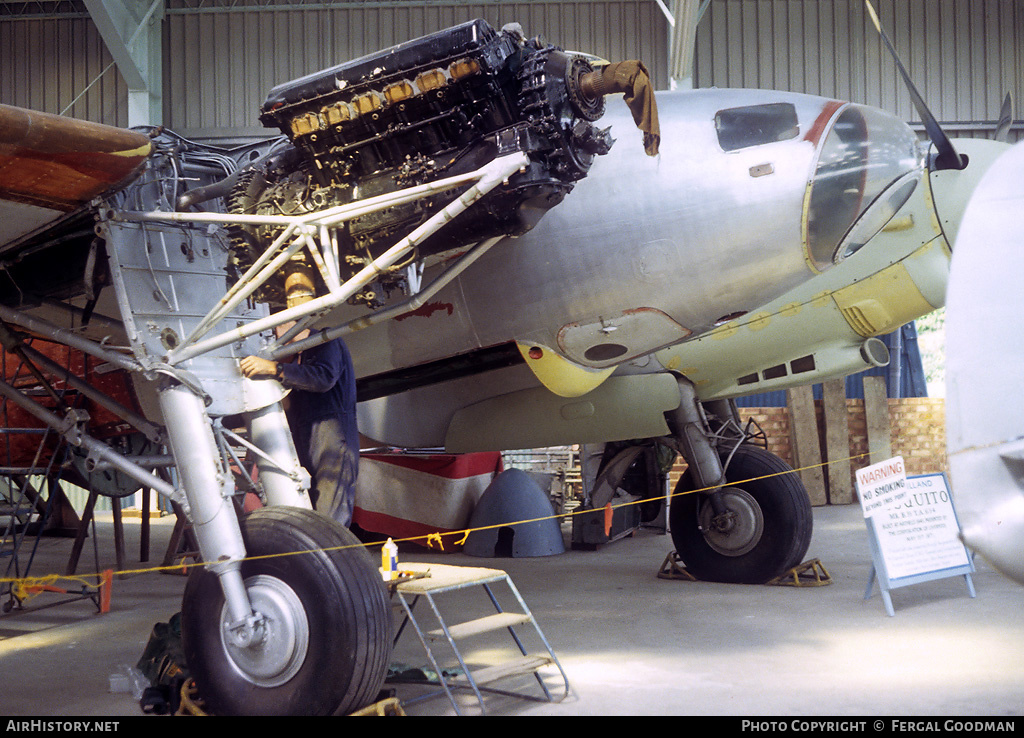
(167, 277)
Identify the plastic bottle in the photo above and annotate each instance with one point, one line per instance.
(389, 561)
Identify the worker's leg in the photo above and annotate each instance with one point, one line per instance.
(335, 464)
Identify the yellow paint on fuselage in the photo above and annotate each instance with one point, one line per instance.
(882, 302)
(818, 330)
(559, 375)
(899, 276)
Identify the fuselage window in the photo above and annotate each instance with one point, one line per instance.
(741, 128)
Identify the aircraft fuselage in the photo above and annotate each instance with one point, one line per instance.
(755, 199)
(646, 252)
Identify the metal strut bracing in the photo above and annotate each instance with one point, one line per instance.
(156, 290)
(312, 232)
(21, 507)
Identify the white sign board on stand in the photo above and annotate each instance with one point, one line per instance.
(912, 528)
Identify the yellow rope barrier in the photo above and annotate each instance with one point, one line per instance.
(25, 588)
(437, 537)
(29, 587)
(27, 584)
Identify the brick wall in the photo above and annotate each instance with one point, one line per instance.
(917, 433)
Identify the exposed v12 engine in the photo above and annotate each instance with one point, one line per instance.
(435, 107)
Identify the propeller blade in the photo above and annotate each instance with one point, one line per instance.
(1005, 119)
(947, 157)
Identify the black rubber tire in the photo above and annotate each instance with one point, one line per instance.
(785, 509)
(346, 608)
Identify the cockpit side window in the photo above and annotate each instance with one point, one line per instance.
(754, 125)
(864, 154)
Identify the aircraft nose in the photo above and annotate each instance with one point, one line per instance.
(860, 180)
(953, 188)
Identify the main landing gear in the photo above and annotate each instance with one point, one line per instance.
(320, 642)
(739, 514)
(749, 532)
(290, 615)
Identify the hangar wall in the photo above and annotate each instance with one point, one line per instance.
(243, 54)
(963, 56)
(221, 57)
(49, 57)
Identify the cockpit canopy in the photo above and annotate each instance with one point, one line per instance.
(868, 167)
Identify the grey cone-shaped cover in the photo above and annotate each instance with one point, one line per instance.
(511, 497)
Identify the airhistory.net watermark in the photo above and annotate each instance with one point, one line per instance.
(61, 726)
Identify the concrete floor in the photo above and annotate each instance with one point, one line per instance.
(632, 643)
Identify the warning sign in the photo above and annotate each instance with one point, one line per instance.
(882, 485)
(914, 533)
(920, 534)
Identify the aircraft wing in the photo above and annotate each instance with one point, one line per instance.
(51, 166)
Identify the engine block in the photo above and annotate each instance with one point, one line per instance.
(434, 107)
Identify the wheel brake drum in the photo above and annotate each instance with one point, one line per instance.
(741, 532)
(279, 654)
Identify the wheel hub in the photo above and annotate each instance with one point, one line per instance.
(736, 531)
(278, 651)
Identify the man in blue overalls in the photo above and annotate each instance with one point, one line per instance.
(322, 414)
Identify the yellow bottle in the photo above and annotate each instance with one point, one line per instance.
(389, 561)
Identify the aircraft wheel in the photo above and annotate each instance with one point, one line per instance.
(326, 636)
(765, 530)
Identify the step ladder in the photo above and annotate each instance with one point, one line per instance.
(432, 580)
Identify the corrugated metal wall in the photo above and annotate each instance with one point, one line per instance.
(223, 61)
(46, 61)
(223, 56)
(964, 56)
